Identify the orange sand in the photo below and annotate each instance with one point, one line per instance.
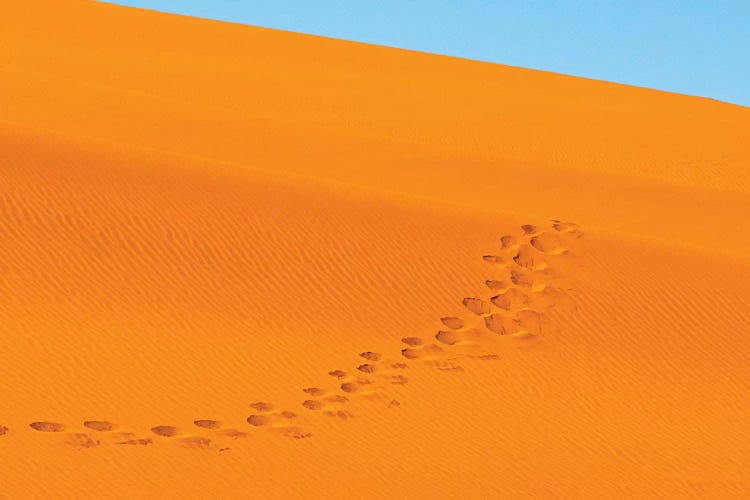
(198, 220)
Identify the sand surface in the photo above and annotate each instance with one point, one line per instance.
(238, 262)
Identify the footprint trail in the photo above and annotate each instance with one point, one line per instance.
(523, 287)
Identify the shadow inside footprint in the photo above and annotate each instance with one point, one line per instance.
(99, 425)
(412, 341)
(261, 406)
(496, 284)
(508, 241)
(165, 430)
(511, 299)
(452, 322)
(47, 426)
(207, 424)
(312, 405)
(258, 420)
(424, 351)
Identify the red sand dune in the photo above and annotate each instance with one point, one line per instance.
(240, 262)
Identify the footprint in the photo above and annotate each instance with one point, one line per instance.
(496, 284)
(335, 399)
(81, 440)
(311, 404)
(453, 337)
(371, 387)
(528, 228)
(314, 391)
(137, 442)
(99, 425)
(547, 242)
(332, 400)
(567, 228)
(575, 234)
(421, 352)
(261, 406)
(487, 357)
(350, 387)
(500, 260)
(529, 259)
(3, 430)
(533, 322)
(444, 365)
(196, 442)
(233, 433)
(512, 299)
(337, 373)
(354, 386)
(521, 278)
(165, 430)
(47, 426)
(288, 414)
(452, 322)
(551, 297)
(342, 414)
(370, 356)
(477, 306)
(258, 420)
(293, 432)
(500, 324)
(412, 341)
(207, 424)
(278, 422)
(508, 242)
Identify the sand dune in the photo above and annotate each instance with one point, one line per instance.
(241, 262)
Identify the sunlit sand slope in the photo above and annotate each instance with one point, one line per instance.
(237, 262)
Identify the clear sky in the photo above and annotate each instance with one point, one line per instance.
(698, 47)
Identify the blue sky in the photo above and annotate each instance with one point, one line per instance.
(697, 47)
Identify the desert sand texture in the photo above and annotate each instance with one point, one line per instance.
(245, 263)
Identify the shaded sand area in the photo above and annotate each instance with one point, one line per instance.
(238, 262)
